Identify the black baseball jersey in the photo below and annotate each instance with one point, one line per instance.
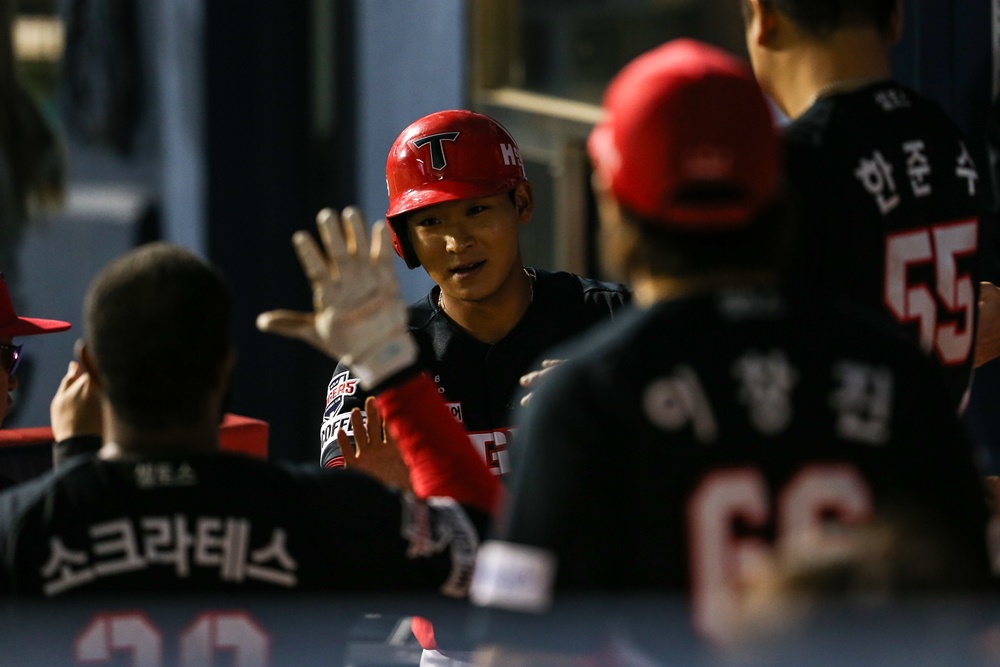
(679, 441)
(889, 199)
(480, 381)
(224, 522)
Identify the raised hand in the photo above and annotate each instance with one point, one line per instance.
(76, 407)
(358, 316)
(374, 450)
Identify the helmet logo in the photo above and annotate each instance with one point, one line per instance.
(510, 155)
(438, 160)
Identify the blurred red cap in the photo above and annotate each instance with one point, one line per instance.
(683, 119)
(13, 325)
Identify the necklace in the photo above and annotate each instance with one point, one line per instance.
(531, 290)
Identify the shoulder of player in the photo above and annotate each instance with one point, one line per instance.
(204, 473)
(569, 287)
(318, 489)
(18, 499)
(865, 333)
(423, 311)
(424, 316)
(831, 119)
(592, 365)
(75, 475)
(874, 325)
(605, 342)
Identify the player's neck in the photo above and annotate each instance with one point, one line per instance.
(648, 290)
(491, 319)
(849, 59)
(122, 440)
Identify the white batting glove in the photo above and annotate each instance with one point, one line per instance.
(358, 315)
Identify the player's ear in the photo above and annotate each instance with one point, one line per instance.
(524, 201)
(82, 352)
(762, 21)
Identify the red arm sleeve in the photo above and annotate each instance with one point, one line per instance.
(434, 446)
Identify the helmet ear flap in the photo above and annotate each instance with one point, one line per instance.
(401, 241)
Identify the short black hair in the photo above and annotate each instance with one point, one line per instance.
(821, 18)
(157, 325)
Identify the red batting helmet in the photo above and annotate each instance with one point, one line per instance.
(447, 156)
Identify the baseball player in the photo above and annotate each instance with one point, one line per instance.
(457, 198)
(723, 421)
(885, 181)
(161, 509)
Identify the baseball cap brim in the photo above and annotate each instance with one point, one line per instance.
(32, 326)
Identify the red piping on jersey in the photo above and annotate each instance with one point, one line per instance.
(435, 447)
(335, 462)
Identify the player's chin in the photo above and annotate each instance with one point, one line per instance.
(469, 288)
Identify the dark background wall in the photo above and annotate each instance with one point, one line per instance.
(268, 174)
(283, 141)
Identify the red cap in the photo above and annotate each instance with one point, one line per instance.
(13, 325)
(686, 117)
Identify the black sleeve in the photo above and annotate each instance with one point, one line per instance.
(396, 541)
(76, 445)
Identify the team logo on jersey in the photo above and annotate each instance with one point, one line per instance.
(436, 142)
(341, 386)
(328, 433)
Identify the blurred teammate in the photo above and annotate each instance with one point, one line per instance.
(458, 197)
(161, 509)
(11, 325)
(722, 423)
(886, 185)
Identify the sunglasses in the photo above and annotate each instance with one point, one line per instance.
(10, 357)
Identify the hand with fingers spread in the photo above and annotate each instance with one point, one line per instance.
(374, 449)
(76, 408)
(358, 315)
